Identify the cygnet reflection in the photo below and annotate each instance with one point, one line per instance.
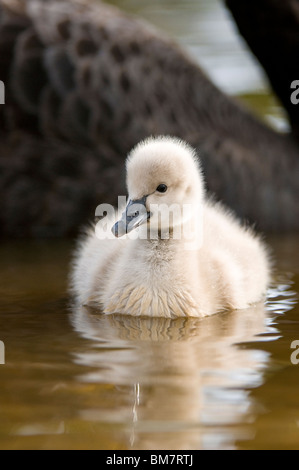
(186, 380)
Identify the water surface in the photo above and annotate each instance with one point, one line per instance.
(76, 379)
(206, 30)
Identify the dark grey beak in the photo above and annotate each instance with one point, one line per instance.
(135, 215)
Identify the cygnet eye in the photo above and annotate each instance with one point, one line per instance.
(162, 188)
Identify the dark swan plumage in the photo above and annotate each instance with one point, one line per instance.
(84, 84)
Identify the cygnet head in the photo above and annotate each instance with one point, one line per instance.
(164, 183)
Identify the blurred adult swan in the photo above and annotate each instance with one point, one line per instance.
(192, 262)
(84, 83)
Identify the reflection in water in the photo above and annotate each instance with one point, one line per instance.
(207, 32)
(122, 383)
(188, 380)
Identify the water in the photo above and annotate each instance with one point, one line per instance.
(76, 379)
(205, 29)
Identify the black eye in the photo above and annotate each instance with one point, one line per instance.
(162, 188)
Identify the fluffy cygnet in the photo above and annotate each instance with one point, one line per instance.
(174, 252)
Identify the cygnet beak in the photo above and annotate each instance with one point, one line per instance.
(135, 215)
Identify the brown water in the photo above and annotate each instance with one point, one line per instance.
(74, 379)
